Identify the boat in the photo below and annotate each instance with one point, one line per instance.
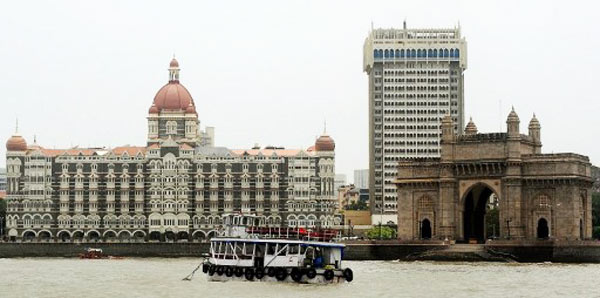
(241, 254)
(92, 253)
(96, 253)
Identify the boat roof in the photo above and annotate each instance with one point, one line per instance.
(284, 241)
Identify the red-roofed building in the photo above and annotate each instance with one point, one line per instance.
(175, 188)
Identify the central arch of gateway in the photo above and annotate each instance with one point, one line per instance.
(494, 185)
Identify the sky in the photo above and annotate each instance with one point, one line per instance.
(83, 73)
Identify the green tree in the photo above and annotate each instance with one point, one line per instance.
(386, 233)
(596, 215)
(596, 209)
(492, 222)
(358, 205)
(3, 216)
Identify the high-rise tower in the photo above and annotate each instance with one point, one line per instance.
(415, 79)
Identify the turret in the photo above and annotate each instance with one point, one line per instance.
(512, 124)
(470, 129)
(535, 134)
(514, 136)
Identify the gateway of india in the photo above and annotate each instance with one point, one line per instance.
(177, 187)
(494, 185)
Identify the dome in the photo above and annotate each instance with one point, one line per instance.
(513, 117)
(471, 129)
(324, 143)
(534, 123)
(172, 96)
(153, 109)
(174, 63)
(16, 143)
(190, 109)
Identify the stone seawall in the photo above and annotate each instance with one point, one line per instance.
(586, 252)
(367, 251)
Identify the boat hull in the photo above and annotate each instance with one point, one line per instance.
(319, 279)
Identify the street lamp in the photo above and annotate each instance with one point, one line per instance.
(508, 220)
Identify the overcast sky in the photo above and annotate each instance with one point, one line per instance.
(270, 72)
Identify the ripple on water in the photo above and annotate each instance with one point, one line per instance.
(162, 278)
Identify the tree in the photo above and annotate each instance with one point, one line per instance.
(596, 209)
(386, 233)
(492, 223)
(358, 205)
(3, 216)
(596, 215)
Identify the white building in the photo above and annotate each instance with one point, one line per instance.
(339, 181)
(415, 78)
(361, 179)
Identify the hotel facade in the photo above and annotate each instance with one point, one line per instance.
(177, 187)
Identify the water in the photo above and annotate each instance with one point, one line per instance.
(162, 278)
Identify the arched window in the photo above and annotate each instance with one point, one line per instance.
(452, 53)
(435, 53)
(446, 53)
(413, 53)
(387, 53)
(397, 53)
(171, 127)
(402, 53)
(375, 54)
(456, 53)
(425, 203)
(543, 202)
(391, 53)
(429, 53)
(380, 53)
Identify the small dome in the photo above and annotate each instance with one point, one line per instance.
(174, 63)
(513, 117)
(534, 123)
(153, 109)
(16, 143)
(471, 129)
(190, 109)
(324, 143)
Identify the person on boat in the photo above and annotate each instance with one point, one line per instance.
(318, 258)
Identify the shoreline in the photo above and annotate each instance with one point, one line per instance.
(497, 251)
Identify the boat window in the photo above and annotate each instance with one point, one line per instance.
(293, 249)
(303, 249)
(282, 249)
(271, 248)
(248, 247)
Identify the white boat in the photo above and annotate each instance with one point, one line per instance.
(242, 256)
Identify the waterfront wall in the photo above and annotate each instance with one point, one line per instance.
(580, 252)
(362, 251)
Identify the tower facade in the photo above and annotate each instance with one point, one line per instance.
(415, 79)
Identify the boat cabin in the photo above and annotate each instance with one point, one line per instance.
(275, 253)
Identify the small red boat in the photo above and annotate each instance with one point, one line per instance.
(92, 253)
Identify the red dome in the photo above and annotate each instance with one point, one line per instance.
(190, 109)
(16, 143)
(324, 143)
(174, 63)
(153, 109)
(172, 96)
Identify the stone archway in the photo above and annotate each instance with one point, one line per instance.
(426, 229)
(543, 231)
(481, 217)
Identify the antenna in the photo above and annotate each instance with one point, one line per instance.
(17, 126)
(500, 115)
